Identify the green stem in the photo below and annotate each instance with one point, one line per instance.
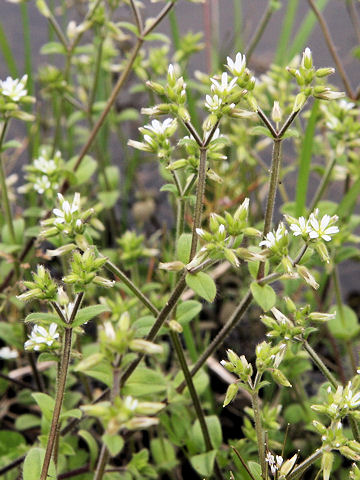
(300, 469)
(323, 184)
(64, 366)
(194, 396)
(104, 453)
(259, 431)
(273, 185)
(5, 197)
(200, 191)
(320, 364)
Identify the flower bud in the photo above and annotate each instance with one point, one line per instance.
(307, 276)
(300, 100)
(149, 348)
(280, 378)
(276, 113)
(324, 72)
(172, 266)
(231, 392)
(307, 60)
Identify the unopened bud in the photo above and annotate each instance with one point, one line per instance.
(276, 113)
(230, 393)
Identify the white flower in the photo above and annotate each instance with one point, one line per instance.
(225, 86)
(159, 128)
(130, 403)
(353, 400)
(307, 60)
(42, 184)
(274, 464)
(300, 228)
(237, 68)
(213, 104)
(273, 238)
(323, 229)
(40, 336)
(65, 213)
(14, 88)
(6, 353)
(44, 165)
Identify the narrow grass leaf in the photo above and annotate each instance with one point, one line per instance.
(305, 161)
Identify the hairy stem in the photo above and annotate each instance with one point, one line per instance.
(64, 366)
(300, 469)
(259, 431)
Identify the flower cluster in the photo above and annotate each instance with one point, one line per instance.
(305, 76)
(125, 413)
(68, 219)
(340, 403)
(13, 95)
(42, 287)
(14, 89)
(278, 467)
(41, 339)
(314, 230)
(132, 248)
(44, 175)
(84, 268)
(156, 138)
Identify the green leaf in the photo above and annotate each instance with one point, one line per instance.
(73, 413)
(108, 199)
(44, 318)
(255, 469)
(345, 325)
(52, 48)
(9, 441)
(45, 402)
(86, 169)
(214, 427)
(204, 463)
(26, 421)
(12, 334)
(89, 362)
(33, 464)
(186, 311)
(264, 295)
(143, 325)
(101, 371)
(114, 443)
(183, 248)
(202, 284)
(260, 130)
(163, 453)
(305, 161)
(86, 314)
(92, 445)
(286, 32)
(145, 382)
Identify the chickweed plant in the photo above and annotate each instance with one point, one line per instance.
(187, 319)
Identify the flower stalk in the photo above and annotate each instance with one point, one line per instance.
(64, 366)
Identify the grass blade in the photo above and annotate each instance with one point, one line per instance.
(304, 31)
(305, 161)
(281, 56)
(7, 54)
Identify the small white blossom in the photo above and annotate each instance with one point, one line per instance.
(273, 238)
(160, 128)
(14, 88)
(300, 228)
(213, 104)
(237, 68)
(41, 336)
(224, 87)
(323, 229)
(6, 353)
(64, 213)
(130, 403)
(42, 184)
